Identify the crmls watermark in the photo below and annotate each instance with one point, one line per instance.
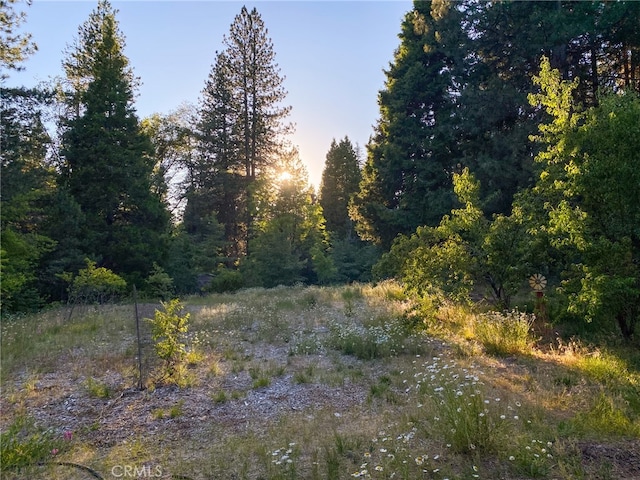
(134, 471)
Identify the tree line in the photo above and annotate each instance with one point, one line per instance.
(506, 146)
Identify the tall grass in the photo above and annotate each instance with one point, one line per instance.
(505, 333)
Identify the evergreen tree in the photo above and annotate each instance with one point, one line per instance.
(340, 181)
(218, 185)
(407, 177)
(108, 164)
(14, 47)
(240, 131)
(291, 242)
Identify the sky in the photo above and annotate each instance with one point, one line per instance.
(332, 55)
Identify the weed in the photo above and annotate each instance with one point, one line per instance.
(261, 382)
(177, 409)
(97, 389)
(220, 397)
(505, 333)
(23, 444)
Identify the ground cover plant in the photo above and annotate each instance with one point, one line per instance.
(316, 383)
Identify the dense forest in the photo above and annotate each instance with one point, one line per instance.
(507, 145)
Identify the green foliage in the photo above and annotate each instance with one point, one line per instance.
(443, 261)
(226, 280)
(23, 444)
(159, 284)
(405, 180)
(169, 330)
(589, 188)
(108, 162)
(15, 46)
(239, 130)
(467, 423)
(96, 285)
(290, 243)
(340, 181)
(97, 389)
(353, 259)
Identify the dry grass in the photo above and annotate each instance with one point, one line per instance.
(316, 383)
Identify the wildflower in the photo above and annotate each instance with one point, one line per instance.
(512, 458)
(383, 450)
(502, 417)
(378, 468)
(515, 417)
(54, 451)
(68, 435)
(419, 460)
(367, 455)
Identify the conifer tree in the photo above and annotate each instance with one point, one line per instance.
(407, 177)
(241, 127)
(15, 46)
(108, 162)
(340, 181)
(291, 243)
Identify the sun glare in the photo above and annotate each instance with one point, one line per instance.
(284, 177)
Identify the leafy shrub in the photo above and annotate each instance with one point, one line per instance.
(226, 280)
(96, 285)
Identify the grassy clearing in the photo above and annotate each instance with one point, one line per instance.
(317, 383)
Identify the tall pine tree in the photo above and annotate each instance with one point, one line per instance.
(240, 130)
(108, 162)
(340, 181)
(407, 179)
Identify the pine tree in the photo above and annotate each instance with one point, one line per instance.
(108, 163)
(340, 181)
(291, 243)
(14, 47)
(407, 176)
(218, 185)
(240, 130)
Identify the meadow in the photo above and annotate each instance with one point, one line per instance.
(316, 383)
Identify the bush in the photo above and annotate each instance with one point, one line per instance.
(169, 329)
(226, 280)
(23, 444)
(96, 285)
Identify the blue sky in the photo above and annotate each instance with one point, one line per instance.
(331, 53)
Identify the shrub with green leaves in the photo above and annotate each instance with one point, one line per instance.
(169, 329)
(96, 285)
